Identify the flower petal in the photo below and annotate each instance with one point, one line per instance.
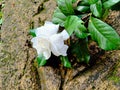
(35, 45)
(42, 46)
(41, 32)
(57, 44)
(64, 34)
(47, 54)
(48, 40)
(51, 25)
(52, 28)
(47, 30)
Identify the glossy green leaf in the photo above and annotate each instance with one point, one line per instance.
(73, 1)
(41, 60)
(83, 8)
(75, 24)
(116, 7)
(80, 50)
(104, 1)
(32, 32)
(103, 34)
(83, 15)
(105, 14)
(65, 61)
(81, 34)
(84, 3)
(58, 17)
(110, 3)
(92, 1)
(96, 8)
(66, 6)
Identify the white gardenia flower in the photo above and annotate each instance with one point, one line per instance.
(47, 40)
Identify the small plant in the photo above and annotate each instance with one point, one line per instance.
(81, 20)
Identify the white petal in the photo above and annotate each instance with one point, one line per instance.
(48, 22)
(42, 46)
(65, 35)
(35, 42)
(54, 49)
(57, 45)
(52, 28)
(47, 54)
(47, 30)
(36, 45)
(64, 50)
(42, 32)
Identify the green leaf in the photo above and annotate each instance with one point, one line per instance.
(116, 7)
(32, 32)
(83, 8)
(66, 6)
(105, 14)
(75, 24)
(103, 34)
(96, 8)
(81, 34)
(92, 1)
(58, 17)
(83, 15)
(104, 1)
(84, 3)
(41, 60)
(73, 1)
(110, 3)
(80, 50)
(65, 61)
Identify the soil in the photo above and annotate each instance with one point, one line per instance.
(18, 69)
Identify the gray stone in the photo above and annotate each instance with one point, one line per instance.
(18, 69)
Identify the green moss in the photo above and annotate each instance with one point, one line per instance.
(14, 27)
(116, 79)
(35, 63)
(114, 75)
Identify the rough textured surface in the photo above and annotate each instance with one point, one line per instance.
(93, 77)
(18, 70)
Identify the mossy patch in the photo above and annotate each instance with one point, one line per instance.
(115, 75)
